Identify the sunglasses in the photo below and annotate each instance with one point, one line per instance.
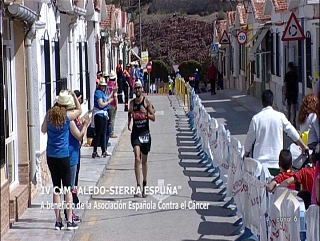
(137, 88)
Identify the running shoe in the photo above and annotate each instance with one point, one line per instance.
(95, 155)
(105, 154)
(59, 225)
(75, 218)
(72, 225)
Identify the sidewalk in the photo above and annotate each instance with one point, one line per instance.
(38, 223)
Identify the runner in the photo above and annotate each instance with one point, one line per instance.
(141, 111)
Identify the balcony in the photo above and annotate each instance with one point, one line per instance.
(71, 6)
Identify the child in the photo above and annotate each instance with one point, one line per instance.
(303, 177)
(285, 164)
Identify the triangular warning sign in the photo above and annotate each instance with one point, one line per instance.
(224, 38)
(293, 30)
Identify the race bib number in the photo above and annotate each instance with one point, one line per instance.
(144, 138)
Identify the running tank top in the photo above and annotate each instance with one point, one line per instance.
(140, 119)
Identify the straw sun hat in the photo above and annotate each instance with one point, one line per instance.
(103, 82)
(112, 75)
(64, 98)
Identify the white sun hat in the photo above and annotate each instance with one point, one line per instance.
(103, 82)
(64, 98)
(112, 75)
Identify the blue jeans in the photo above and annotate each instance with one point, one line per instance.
(108, 132)
(73, 175)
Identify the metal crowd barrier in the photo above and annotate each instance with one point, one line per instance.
(243, 181)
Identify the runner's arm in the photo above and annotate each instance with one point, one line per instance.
(151, 112)
(130, 114)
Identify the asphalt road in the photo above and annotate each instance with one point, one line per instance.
(191, 209)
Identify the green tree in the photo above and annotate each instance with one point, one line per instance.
(187, 69)
(159, 70)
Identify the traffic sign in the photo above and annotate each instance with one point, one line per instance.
(225, 38)
(149, 67)
(242, 37)
(293, 30)
(214, 48)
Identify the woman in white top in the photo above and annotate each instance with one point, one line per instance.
(307, 113)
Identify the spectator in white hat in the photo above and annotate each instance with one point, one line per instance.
(57, 126)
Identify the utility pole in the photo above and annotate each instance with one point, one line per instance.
(140, 28)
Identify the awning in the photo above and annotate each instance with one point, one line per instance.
(258, 41)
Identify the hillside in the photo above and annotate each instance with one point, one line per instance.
(175, 39)
(176, 30)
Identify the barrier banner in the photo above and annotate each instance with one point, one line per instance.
(213, 140)
(225, 155)
(312, 221)
(284, 216)
(235, 179)
(255, 208)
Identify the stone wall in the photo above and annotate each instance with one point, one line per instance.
(4, 208)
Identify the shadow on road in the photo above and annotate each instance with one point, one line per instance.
(218, 224)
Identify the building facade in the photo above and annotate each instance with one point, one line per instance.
(46, 46)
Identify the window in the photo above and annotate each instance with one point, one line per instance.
(278, 54)
(47, 72)
(87, 96)
(258, 65)
(80, 67)
(308, 59)
(57, 66)
(2, 133)
(9, 95)
(272, 53)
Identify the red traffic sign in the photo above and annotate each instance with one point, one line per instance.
(293, 30)
(225, 38)
(149, 67)
(242, 37)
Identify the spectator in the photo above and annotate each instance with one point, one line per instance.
(78, 122)
(153, 88)
(77, 131)
(220, 80)
(307, 115)
(119, 71)
(291, 90)
(126, 86)
(101, 118)
(99, 76)
(114, 103)
(304, 177)
(178, 75)
(266, 146)
(285, 164)
(196, 76)
(212, 77)
(141, 76)
(57, 126)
